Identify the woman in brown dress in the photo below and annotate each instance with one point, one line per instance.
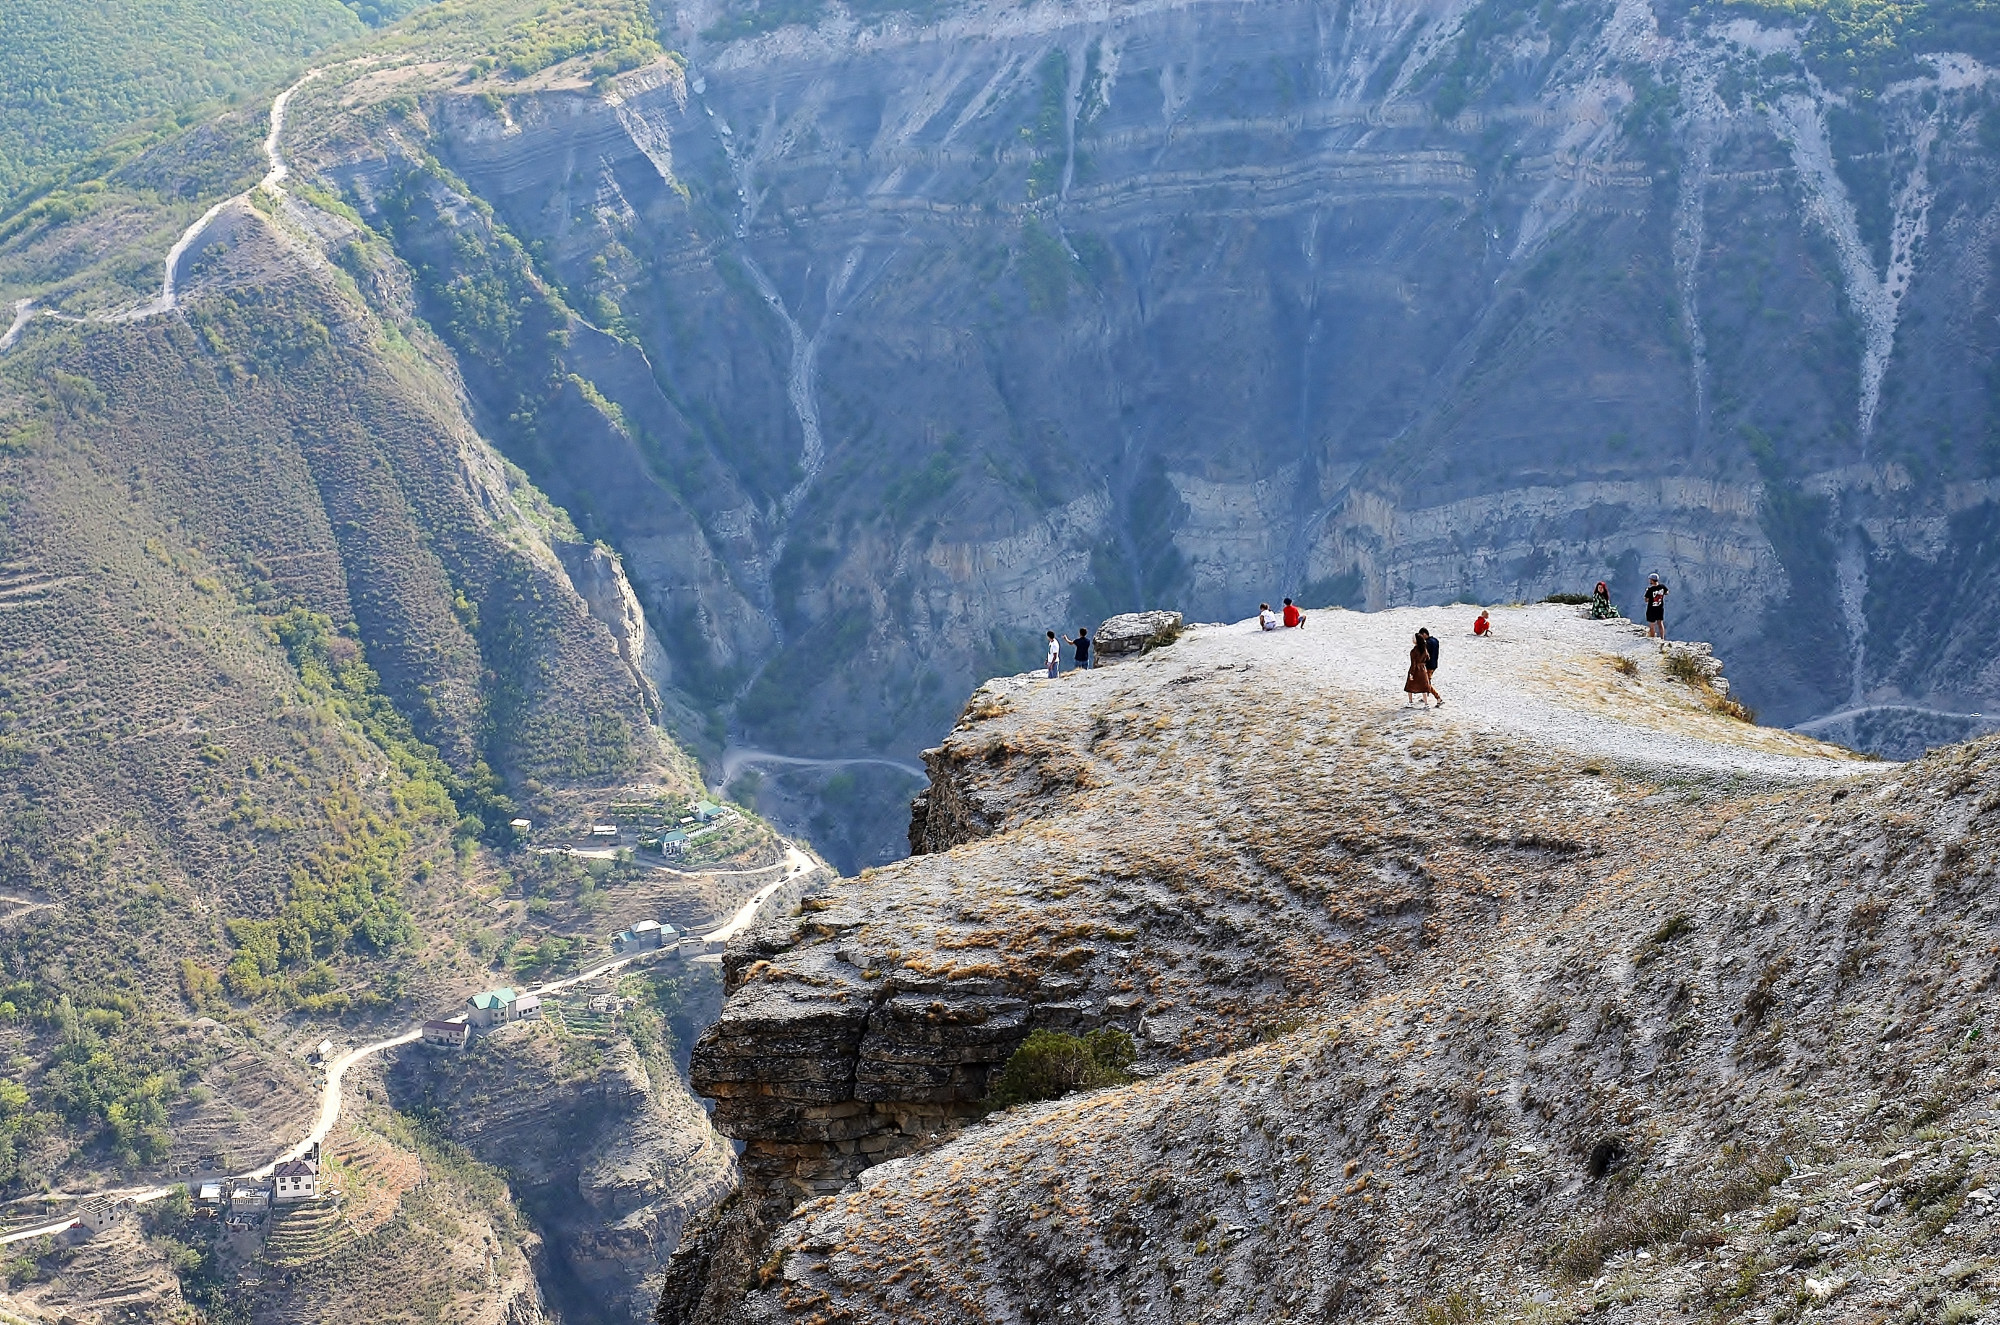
(1419, 680)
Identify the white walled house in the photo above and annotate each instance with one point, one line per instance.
(295, 1180)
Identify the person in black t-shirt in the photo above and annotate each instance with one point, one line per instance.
(1656, 609)
(1082, 646)
(1430, 646)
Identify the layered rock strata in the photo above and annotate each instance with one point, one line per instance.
(1241, 836)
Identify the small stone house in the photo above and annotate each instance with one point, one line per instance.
(527, 1007)
(249, 1202)
(102, 1213)
(450, 1034)
(295, 1180)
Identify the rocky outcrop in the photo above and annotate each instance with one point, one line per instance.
(600, 581)
(1132, 633)
(1577, 995)
(1121, 849)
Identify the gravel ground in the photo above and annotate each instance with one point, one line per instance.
(1545, 673)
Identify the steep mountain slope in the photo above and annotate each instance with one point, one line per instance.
(284, 647)
(879, 340)
(1575, 995)
(74, 78)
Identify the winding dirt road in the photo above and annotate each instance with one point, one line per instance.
(736, 757)
(164, 302)
(796, 863)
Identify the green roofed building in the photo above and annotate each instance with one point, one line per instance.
(492, 1007)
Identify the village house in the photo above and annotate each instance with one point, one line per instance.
(295, 1180)
(492, 1008)
(208, 1197)
(102, 1213)
(527, 1007)
(248, 1202)
(450, 1034)
(604, 830)
(645, 936)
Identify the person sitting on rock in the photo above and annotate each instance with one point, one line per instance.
(1484, 625)
(1600, 603)
(1293, 617)
(1266, 617)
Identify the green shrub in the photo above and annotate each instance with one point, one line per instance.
(1050, 1064)
(1686, 668)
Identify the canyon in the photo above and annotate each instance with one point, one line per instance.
(921, 333)
(522, 420)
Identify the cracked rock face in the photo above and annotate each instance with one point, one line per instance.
(1574, 995)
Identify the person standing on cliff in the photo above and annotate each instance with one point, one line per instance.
(1656, 609)
(1418, 683)
(1082, 646)
(1055, 656)
(1431, 647)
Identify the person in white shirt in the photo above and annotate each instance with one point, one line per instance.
(1055, 656)
(1266, 617)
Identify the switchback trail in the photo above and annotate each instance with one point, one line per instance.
(796, 863)
(165, 302)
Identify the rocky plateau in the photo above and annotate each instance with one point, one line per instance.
(1576, 996)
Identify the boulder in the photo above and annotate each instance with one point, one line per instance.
(1132, 633)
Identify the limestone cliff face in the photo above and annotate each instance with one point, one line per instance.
(600, 581)
(1576, 995)
(927, 333)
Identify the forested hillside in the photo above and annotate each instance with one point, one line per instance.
(75, 78)
(283, 650)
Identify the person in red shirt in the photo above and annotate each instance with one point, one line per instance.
(1293, 617)
(1484, 625)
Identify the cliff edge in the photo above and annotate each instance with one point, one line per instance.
(1578, 993)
